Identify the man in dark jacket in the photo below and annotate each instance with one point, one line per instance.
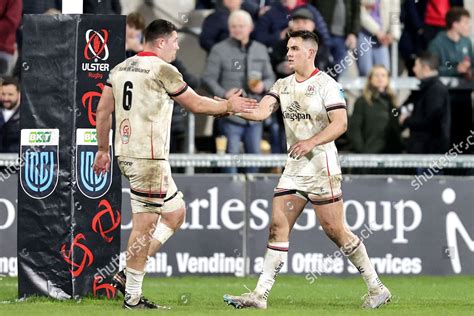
(430, 121)
(455, 53)
(343, 21)
(102, 7)
(10, 116)
(214, 27)
(273, 25)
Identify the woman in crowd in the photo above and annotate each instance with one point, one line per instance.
(373, 126)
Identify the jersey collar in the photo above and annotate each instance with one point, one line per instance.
(147, 54)
(312, 74)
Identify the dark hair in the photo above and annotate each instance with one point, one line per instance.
(136, 20)
(429, 59)
(158, 28)
(306, 36)
(10, 81)
(454, 15)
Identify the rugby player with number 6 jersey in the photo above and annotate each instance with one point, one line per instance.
(314, 114)
(140, 91)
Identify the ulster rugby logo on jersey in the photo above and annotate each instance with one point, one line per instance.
(40, 157)
(311, 90)
(91, 185)
(293, 112)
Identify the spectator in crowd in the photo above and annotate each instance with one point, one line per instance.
(454, 47)
(215, 28)
(373, 126)
(205, 4)
(102, 6)
(455, 59)
(273, 26)
(430, 120)
(10, 18)
(133, 34)
(422, 20)
(239, 63)
(380, 24)
(256, 8)
(343, 20)
(10, 118)
(435, 17)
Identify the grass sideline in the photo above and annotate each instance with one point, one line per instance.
(292, 295)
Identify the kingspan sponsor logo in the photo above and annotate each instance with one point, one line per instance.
(293, 112)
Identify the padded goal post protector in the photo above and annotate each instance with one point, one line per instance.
(68, 217)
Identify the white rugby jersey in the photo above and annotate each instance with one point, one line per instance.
(305, 106)
(143, 86)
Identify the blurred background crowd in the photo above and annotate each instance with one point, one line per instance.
(241, 44)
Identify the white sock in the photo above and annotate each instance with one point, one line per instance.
(361, 261)
(275, 257)
(133, 287)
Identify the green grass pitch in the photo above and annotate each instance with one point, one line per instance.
(291, 295)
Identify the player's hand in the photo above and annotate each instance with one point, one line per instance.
(301, 148)
(101, 162)
(240, 104)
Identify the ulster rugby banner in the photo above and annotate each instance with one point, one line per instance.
(69, 217)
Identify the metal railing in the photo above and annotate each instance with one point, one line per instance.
(279, 160)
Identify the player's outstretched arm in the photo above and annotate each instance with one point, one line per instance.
(204, 105)
(336, 127)
(266, 107)
(104, 122)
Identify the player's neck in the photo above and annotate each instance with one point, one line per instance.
(302, 75)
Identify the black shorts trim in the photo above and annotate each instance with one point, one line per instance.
(286, 192)
(277, 248)
(291, 192)
(148, 195)
(179, 92)
(171, 197)
(328, 201)
(153, 205)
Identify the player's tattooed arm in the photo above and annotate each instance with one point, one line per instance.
(273, 107)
